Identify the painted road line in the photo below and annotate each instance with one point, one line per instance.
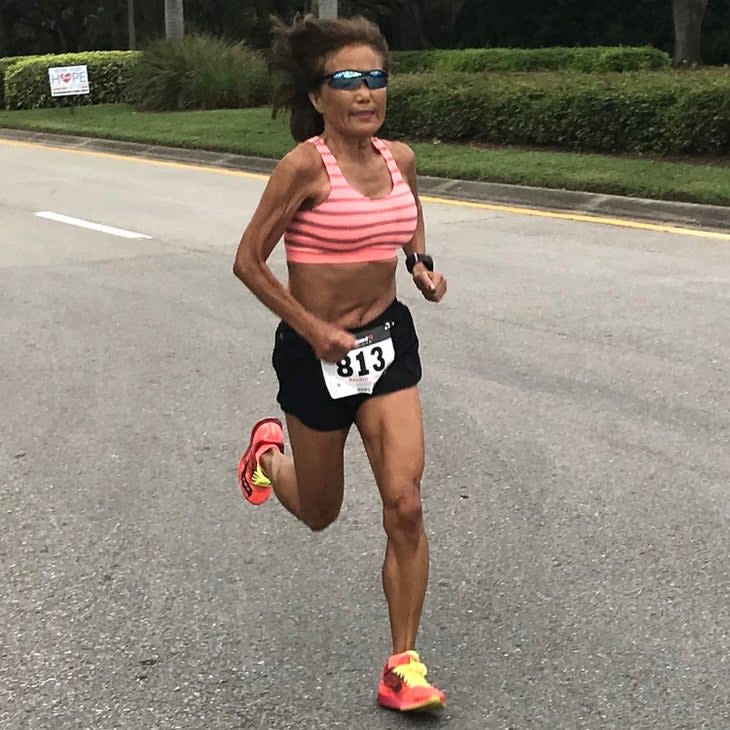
(511, 209)
(80, 223)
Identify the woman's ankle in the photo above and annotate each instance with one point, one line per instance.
(267, 459)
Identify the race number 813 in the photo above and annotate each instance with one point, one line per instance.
(346, 370)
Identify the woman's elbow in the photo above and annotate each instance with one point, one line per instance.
(238, 268)
(244, 268)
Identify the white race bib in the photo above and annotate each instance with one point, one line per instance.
(361, 368)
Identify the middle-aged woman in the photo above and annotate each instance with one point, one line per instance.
(346, 349)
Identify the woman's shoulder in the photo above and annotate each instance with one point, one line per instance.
(404, 156)
(302, 157)
(302, 162)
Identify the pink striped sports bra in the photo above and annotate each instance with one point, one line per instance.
(349, 227)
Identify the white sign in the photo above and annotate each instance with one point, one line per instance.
(68, 80)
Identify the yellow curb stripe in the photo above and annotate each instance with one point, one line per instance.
(141, 160)
(582, 217)
(516, 210)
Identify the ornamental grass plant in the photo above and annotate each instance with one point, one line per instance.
(199, 72)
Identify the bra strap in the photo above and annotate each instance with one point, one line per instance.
(328, 158)
(384, 150)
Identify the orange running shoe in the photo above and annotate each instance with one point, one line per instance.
(255, 485)
(404, 686)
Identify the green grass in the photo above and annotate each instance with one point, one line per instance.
(245, 131)
(253, 132)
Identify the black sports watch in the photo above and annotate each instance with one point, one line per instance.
(419, 258)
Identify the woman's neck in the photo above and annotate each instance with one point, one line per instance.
(353, 148)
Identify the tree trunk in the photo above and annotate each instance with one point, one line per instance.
(131, 30)
(327, 8)
(174, 21)
(687, 16)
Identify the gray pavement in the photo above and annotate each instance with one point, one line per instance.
(576, 397)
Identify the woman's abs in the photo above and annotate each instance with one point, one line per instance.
(347, 295)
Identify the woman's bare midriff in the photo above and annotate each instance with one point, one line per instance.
(347, 295)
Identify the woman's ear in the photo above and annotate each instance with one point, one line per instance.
(316, 100)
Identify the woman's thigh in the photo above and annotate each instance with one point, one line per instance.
(318, 463)
(391, 427)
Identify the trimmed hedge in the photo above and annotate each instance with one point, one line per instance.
(661, 112)
(5, 63)
(596, 59)
(649, 111)
(27, 86)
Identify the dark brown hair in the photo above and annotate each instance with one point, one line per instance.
(298, 53)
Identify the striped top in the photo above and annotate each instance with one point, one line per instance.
(349, 227)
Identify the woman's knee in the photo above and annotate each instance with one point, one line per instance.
(403, 515)
(319, 519)
(320, 507)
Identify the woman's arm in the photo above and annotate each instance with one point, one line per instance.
(432, 284)
(293, 181)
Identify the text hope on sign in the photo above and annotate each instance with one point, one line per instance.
(68, 80)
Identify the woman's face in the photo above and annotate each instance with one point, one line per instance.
(359, 112)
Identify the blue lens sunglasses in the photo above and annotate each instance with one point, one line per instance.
(351, 80)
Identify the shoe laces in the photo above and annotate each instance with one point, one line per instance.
(259, 479)
(413, 673)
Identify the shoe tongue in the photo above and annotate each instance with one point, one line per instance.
(405, 658)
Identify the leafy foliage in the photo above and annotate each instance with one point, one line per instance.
(630, 112)
(199, 72)
(534, 59)
(5, 64)
(632, 59)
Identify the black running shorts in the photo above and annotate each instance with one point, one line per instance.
(302, 390)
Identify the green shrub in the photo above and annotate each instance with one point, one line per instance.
(199, 72)
(700, 121)
(27, 85)
(531, 59)
(412, 62)
(632, 59)
(640, 112)
(5, 63)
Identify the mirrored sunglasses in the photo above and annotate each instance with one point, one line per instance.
(351, 80)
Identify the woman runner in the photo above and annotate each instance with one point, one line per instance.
(346, 350)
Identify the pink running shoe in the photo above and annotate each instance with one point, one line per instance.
(255, 485)
(404, 687)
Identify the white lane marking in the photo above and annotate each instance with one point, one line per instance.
(79, 222)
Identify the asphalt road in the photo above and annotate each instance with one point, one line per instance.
(577, 400)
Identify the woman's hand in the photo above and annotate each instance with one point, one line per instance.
(430, 283)
(331, 343)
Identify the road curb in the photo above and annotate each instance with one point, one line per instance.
(595, 204)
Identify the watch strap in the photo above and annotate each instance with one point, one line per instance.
(416, 258)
